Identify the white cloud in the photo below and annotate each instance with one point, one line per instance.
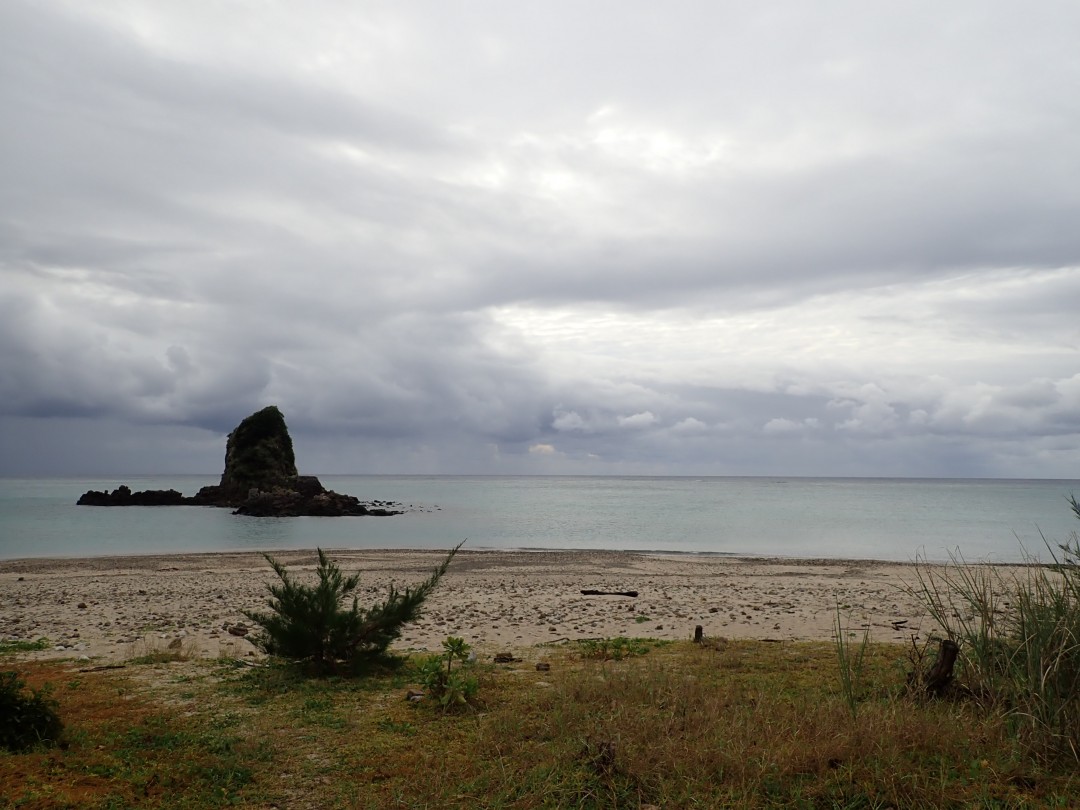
(568, 421)
(428, 230)
(689, 426)
(637, 421)
(779, 426)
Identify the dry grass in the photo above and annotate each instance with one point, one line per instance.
(746, 724)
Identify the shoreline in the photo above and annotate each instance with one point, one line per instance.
(658, 553)
(109, 608)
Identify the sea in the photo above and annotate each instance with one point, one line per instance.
(830, 518)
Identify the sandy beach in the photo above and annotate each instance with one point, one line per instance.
(112, 608)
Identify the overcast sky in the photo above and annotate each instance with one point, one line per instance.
(787, 238)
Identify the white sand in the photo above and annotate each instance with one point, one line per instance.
(110, 608)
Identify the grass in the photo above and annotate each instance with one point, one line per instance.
(616, 649)
(745, 724)
(9, 647)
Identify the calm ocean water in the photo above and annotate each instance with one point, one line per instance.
(887, 519)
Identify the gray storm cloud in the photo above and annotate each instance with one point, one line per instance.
(597, 238)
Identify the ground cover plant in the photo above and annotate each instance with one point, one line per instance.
(680, 725)
(452, 687)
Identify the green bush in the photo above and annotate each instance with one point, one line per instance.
(311, 623)
(26, 719)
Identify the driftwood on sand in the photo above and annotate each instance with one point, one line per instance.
(608, 593)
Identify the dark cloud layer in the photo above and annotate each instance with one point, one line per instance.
(596, 238)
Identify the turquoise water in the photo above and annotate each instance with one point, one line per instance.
(887, 519)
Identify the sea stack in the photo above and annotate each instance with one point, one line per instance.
(260, 479)
(258, 457)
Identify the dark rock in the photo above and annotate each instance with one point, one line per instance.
(285, 502)
(308, 485)
(123, 496)
(258, 455)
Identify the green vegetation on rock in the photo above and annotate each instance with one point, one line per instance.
(259, 453)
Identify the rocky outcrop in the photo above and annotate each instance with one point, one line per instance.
(260, 479)
(123, 496)
(293, 503)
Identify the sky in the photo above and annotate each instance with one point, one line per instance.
(688, 238)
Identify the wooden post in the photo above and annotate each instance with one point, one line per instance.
(699, 634)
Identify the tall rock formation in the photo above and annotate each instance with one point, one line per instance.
(258, 457)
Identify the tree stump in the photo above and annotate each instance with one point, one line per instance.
(937, 680)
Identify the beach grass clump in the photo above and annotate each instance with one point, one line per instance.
(1019, 637)
(851, 660)
(316, 625)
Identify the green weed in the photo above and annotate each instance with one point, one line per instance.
(19, 646)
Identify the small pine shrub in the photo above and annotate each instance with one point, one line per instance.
(311, 623)
(26, 719)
